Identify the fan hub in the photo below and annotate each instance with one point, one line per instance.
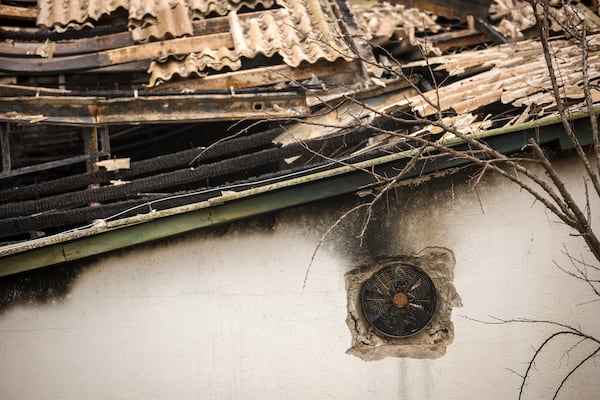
(400, 300)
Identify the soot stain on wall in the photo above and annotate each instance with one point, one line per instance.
(41, 286)
(52, 284)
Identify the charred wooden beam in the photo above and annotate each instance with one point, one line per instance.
(484, 27)
(360, 46)
(26, 66)
(262, 76)
(40, 35)
(64, 48)
(5, 146)
(463, 38)
(49, 165)
(22, 90)
(94, 111)
(452, 9)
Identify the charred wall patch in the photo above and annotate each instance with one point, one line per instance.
(431, 342)
(40, 286)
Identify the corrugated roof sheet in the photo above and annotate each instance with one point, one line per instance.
(513, 17)
(301, 31)
(159, 19)
(514, 74)
(147, 18)
(201, 8)
(75, 13)
(384, 20)
(194, 64)
(400, 28)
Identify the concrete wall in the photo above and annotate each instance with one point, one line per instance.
(222, 314)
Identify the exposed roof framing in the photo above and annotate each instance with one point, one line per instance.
(119, 121)
(270, 195)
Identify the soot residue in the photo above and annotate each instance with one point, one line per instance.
(39, 286)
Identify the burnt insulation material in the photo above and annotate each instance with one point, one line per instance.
(150, 184)
(174, 179)
(65, 219)
(68, 210)
(78, 217)
(61, 185)
(237, 145)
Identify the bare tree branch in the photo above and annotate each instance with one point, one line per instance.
(566, 378)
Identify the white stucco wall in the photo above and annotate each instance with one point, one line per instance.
(223, 315)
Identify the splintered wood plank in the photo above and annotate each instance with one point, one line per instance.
(116, 56)
(480, 100)
(114, 164)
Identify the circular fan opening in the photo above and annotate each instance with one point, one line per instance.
(399, 300)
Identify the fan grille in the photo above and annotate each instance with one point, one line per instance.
(399, 300)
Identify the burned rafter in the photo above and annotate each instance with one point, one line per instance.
(147, 51)
(452, 9)
(186, 158)
(30, 47)
(58, 211)
(93, 111)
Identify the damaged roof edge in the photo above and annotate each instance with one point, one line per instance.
(232, 206)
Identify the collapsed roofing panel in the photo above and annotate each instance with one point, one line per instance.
(175, 40)
(117, 112)
(297, 33)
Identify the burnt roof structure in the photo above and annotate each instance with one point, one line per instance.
(132, 114)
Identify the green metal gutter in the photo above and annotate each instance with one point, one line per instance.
(233, 206)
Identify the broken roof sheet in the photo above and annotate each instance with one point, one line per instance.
(383, 21)
(146, 18)
(292, 70)
(515, 18)
(178, 40)
(298, 33)
(513, 74)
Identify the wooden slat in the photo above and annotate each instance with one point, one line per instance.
(80, 46)
(5, 147)
(122, 55)
(203, 27)
(22, 13)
